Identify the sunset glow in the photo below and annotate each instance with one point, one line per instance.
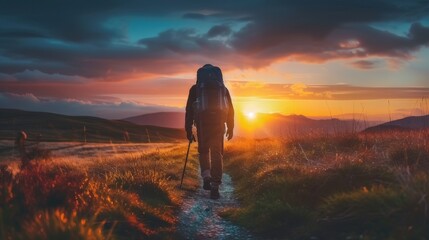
(251, 115)
(141, 60)
(262, 119)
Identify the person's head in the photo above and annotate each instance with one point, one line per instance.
(23, 135)
(207, 65)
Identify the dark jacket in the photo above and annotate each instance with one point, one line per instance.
(189, 117)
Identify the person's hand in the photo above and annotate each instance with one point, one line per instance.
(229, 134)
(190, 136)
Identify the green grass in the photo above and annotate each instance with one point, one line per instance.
(332, 187)
(130, 196)
(368, 186)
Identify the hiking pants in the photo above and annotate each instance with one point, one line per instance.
(210, 149)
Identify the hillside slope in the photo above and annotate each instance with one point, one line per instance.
(55, 127)
(403, 124)
(161, 119)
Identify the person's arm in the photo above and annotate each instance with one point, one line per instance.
(189, 116)
(230, 117)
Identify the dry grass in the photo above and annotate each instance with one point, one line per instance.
(333, 187)
(330, 187)
(128, 196)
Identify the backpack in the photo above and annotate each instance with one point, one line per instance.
(211, 106)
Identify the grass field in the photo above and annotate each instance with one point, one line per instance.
(354, 186)
(333, 187)
(129, 193)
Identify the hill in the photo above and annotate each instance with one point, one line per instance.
(161, 119)
(403, 124)
(56, 127)
(265, 125)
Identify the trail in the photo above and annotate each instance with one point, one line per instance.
(199, 217)
(80, 150)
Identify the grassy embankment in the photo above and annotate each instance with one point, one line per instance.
(338, 187)
(133, 196)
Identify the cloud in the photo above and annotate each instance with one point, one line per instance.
(184, 42)
(365, 64)
(36, 75)
(347, 41)
(198, 16)
(411, 111)
(219, 31)
(27, 97)
(161, 88)
(110, 110)
(324, 92)
(299, 89)
(79, 42)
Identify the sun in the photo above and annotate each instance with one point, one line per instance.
(251, 115)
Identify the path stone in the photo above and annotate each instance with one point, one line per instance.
(199, 217)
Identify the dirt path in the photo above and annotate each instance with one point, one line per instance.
(81, 151)
(199, 217)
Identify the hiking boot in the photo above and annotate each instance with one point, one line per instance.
(206, 183)
(214, 193)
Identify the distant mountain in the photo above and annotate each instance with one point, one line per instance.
(264, 125)
(56, 127)
(404, 124)
(161, 119)
(279, 125)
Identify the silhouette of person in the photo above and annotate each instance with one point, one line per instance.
(20, 139)
(126, 136)
(209, 107)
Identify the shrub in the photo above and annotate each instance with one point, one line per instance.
(410, 156)
(151, 186)
(8, 210)
(59, 224)
(6, 185)
(42, 187)
(305, 187)
(375, 212)
(275, 217)
(134, 219)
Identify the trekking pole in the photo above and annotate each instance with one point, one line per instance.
(186, 161)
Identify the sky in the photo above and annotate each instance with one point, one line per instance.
(116, 59)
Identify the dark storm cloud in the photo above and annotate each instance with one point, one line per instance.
(310, 30)
(219, 31)
(419, 33)
(114, 60)
(36, 75)
(55, 22)
(377, 42)
(73, 38)
(184, 41)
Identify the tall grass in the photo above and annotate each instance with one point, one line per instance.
(333, 187)
(130, 196)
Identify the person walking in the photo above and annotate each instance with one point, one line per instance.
(20, 139)
(208, 108)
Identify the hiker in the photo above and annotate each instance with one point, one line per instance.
(126, 136)
(21, 136)
(209, 107)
